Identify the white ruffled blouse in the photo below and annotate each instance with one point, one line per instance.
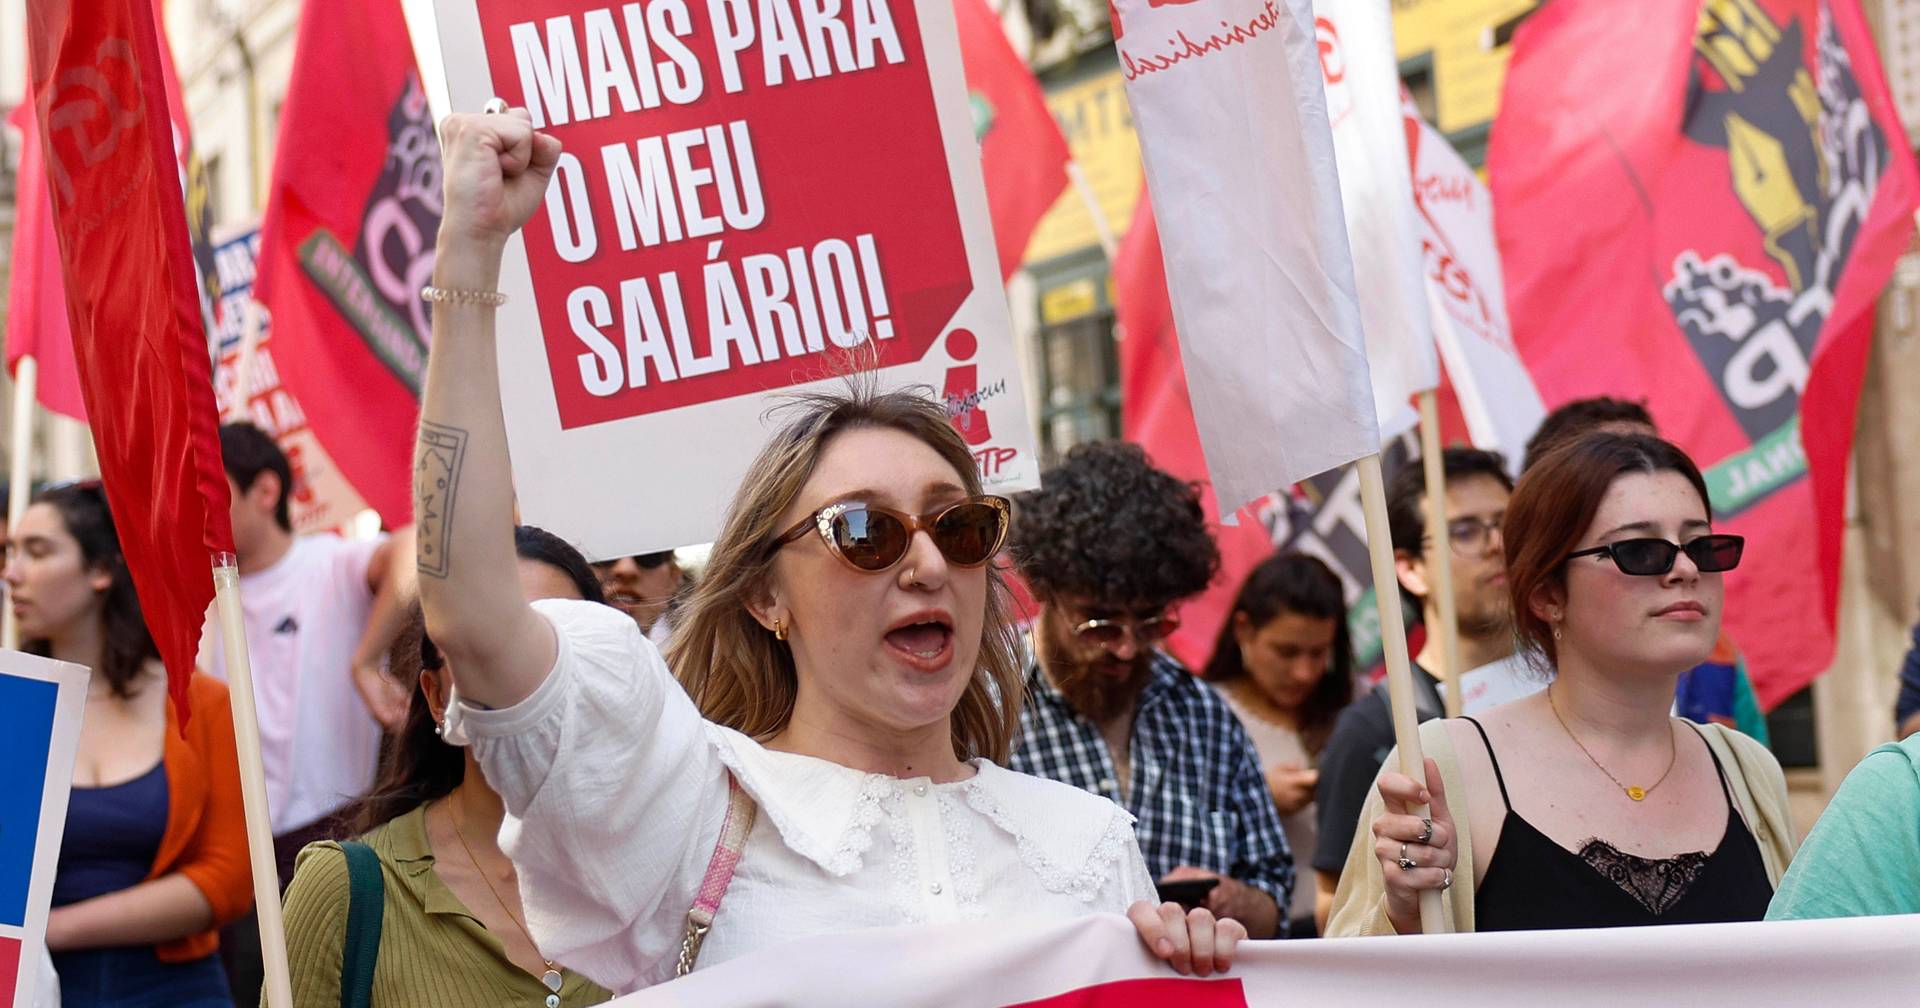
(615, 789)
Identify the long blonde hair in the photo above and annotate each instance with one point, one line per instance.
(738, 674)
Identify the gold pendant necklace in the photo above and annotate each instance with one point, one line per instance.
(551, 979)
(1634, 791)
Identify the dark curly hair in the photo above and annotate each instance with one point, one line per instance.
(1106, 525)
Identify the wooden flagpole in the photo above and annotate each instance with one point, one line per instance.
(1393, 643)
(1102, 227)
(278, 989)
(26, 377)
(1440, 571)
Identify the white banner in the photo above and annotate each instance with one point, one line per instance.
(1864, 962)
(1362, 80)
(41, 701)
(740, 212)
(1232, 117)
(1469, 298)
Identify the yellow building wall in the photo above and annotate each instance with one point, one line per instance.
(1093, 113)
(1467, 68)
(1098, 125)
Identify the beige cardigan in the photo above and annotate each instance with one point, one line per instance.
(1360, 903)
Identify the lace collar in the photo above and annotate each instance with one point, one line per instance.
(826, 812)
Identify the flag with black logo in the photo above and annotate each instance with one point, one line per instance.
(1699, 204)
(348, 242)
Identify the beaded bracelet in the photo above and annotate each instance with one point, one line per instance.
(438, 295)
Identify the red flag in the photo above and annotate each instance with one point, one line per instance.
(1157, 415)
(36, 295)
(1699, 205)
(1022, 152)
(348, 242)
(137, 338)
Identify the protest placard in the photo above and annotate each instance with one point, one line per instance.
(40, 705)
(754, 196)
(322, 499)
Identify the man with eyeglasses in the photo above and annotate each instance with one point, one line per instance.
(1110, 546)
(1477, 490)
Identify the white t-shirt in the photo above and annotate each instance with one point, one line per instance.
(304, 617)
(1497, 682)
(615, 789)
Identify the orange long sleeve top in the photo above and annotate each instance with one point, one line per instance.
(206, 835)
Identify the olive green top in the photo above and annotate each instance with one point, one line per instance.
(434, 953)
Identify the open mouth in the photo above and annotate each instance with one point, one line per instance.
(926, 640)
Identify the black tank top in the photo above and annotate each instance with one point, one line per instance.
(1533, 883)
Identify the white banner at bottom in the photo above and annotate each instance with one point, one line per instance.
(1098, 961)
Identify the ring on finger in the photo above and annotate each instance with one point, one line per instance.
(1446, 879)
(1426, 832)
(494, 106)
(1406, 863)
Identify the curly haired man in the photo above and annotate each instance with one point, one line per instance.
(1110, 547)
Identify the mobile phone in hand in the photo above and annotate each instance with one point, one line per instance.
(1189, 893)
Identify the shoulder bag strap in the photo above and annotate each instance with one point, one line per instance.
(726, 854)
(366, 905)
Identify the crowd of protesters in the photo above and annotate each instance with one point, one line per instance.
(541, 779)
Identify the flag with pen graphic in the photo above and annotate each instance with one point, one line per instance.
(1698, 206)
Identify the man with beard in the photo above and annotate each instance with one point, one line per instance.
(1110, 546)
(1477, 490)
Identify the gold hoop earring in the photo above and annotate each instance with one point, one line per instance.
(780, 629)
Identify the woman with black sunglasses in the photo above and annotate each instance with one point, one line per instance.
(850, 679)
(1587, 804)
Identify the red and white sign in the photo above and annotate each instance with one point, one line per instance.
(1496, 394)
(1099, 962)
(755, 196)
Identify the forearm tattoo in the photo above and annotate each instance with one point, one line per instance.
(436, 478)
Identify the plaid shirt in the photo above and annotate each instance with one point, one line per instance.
(1195, 787)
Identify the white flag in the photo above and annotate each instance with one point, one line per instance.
(1468, 296)
(1232, 117)
(1362, 79)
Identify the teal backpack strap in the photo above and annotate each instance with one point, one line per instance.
(366, 904)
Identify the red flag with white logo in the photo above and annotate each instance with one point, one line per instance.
(131, 299)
